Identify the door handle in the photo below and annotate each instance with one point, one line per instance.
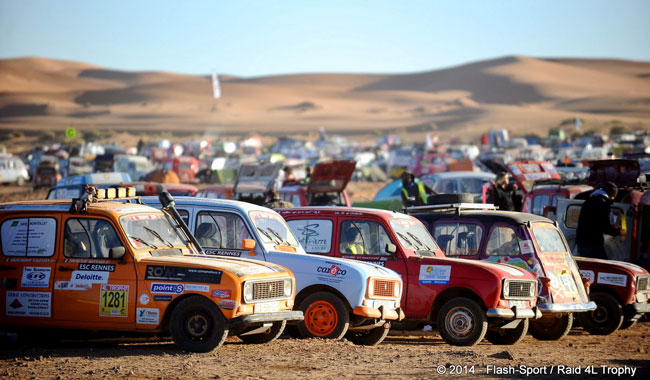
(65, 269)
(7, 267)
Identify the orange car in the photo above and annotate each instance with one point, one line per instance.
(111, 266)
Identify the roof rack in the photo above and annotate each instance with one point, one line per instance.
(93, 194)
(454, 206)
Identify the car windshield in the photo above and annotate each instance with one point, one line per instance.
(68, 192)
(549, 240)
(412, 235)
(154, 231)
(273, 229)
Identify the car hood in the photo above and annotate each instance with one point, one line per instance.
(609, 265)
(501, 270)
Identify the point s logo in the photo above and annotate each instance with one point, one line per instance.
(167, 288)
(334, 270)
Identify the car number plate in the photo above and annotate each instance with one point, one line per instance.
(267, 307)
(388, 305)
(519, 304)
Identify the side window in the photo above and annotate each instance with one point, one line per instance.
(362, 237)
(502, 242)
(572, 216)
(89, 238)
(185, 215)
(459, 239)
(30, 237)
(315, 235)
(220, 230)
(556, 198)
(539, 202)
(296, 200)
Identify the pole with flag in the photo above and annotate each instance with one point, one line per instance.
(216, 87)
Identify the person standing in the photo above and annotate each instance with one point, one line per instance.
(414, 192)
(499, 194)
(594, 222)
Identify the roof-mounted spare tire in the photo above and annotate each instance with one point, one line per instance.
(438, 199)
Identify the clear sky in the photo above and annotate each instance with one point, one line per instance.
(252, 38)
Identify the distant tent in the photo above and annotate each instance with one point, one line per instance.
(163, 176)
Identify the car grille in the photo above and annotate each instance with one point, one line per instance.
(268, 290)
(384, 288)
(642, 283)
(520, 289)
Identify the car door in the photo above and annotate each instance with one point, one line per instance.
(90, 286)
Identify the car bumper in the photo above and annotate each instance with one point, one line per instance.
(266, 317)
(638, 308)
(514, 313)
(379, 313)
(567, 307)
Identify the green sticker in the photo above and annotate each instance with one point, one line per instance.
(70, 132)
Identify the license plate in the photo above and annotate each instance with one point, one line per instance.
(567, 282)
(519, 304)
(267, 307)
(388, 305)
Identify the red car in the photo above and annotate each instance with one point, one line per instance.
(326, 186)
(467, 300)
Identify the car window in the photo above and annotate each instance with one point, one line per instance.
(315, 235)
(502, 242)
(471, 185)
(216, 229)
(185, 215)
(458, 239)
(557, 197)
(272, 229)
(412, 235)
(37, 240)
(539, 202)
(363, 237)
(572, 216)
(89, 238)
(549, 240)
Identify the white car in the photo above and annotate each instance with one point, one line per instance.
(13, 170)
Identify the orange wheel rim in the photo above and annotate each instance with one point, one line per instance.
(321, 318)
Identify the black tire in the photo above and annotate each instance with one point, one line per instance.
(627, 323)
(368, 337)
(325, 316)
(508, 336)
(462, 322)
(607, 318)
(436, 199)
(197, 325)
(551, 328)
(269, 335)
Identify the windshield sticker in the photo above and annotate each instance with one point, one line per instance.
(314, 237)
(97, 267)
(168, 273)
(147, 316)
(222, 293)
(88, 277)
(144, 299)
(197, 288)
(223, 252)
(589, 275)
(138, 217)
(526, 247)
(29, 304)
(435, 274)
(113, 300)
(41, 233)
(612, 279)
(403, 222)
(36, 277)
(167, 288)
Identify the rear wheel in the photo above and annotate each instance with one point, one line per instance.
(508, 336)
(197, 325)
(627, 324)
(325, 317)
(368, 337)
(607, 318)
(267, 336)
(462, 322)
(551, 328)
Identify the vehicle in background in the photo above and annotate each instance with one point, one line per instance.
(74, 187)
(47, 173)
(254, 180)
(103, 163)
(136, 166)
(459, 182)
(187, 167)
(429, 163)
(398, 161)
(467, 300)
(247, 193)
(526, 173)
(387, 198)
(111, 267)
(338, 297)
(13, 170)
(326, 186)
(531, 242)
(543, 197)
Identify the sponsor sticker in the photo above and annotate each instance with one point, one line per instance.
(29, 304)
(89, 277)
(144, 299)
(171, 273)
(147, 316)
(197, 288)
(526, 247)
(333, 270)
(223, 252)
(612, 279)
(97, 267)
(228, 304)
(113, 300)
(36, 277)
(162, 298)
(589, 275)
(167, 288)
(221, 293)
(435, 274)
(67, 285)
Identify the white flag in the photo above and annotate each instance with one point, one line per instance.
(216, 88)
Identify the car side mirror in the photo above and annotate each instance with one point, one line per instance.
(391, 248)
(117, 253)
(248, 245)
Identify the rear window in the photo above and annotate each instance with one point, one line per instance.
(502, 242)
(549, 240)
(539, 202)
(28, 237)
(572, 216)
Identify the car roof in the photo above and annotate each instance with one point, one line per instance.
(460, 174)
(64, 205)
(207, 202)
(486, 216)
(341, 211)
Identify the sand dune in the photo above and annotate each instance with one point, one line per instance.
(522, 94)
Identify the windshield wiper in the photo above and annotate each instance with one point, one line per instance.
(157, 235)
(422, 245)
(274, 232)
(267, 235)
(406, 239)
(141, 240)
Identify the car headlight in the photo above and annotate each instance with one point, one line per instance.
(288, 288)
(506, 289)
(371, 287)
(248, 292)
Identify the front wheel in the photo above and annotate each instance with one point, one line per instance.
(368, 337)
(462, 322)
(551, 328)
(627, 324)
(197, 325)
(508, 336)
(607, 318)
(267, 336)
(325, 317)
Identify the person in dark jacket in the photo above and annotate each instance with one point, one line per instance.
(414, 192)
(499, 194)
(594, 222)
